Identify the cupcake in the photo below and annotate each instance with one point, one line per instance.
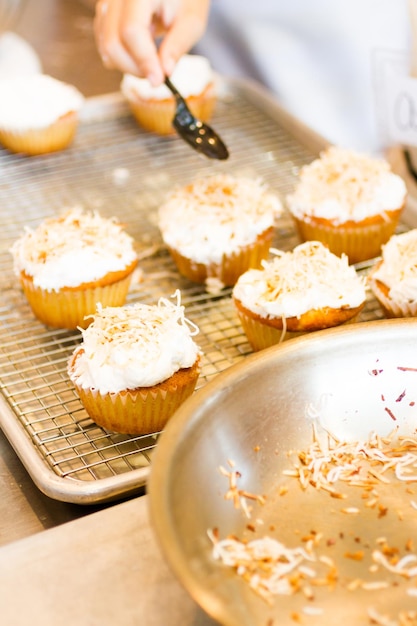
(297, 292)
(136, 365)
(350, 201)
(218, 227)
(393, 280)
(154, 107)
(38, 114)
(70, 263)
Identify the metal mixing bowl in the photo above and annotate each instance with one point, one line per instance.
(357, 379)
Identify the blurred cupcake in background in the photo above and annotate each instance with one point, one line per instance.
(38, 114)
(154, 107)
(350, 201)
(297, 292)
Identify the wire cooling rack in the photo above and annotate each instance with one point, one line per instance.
(119, 170)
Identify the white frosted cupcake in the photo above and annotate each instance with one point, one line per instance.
(70, 263)
(154, 107)
(38, 114)
(218, 227)
(296, 292)
(350, 201)
(393, 280)
(136, 365)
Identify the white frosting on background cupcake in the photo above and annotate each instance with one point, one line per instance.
(73, 249)
(36, 101)
(135, 346)
(217, 215)
(192, 74)
(398, 270)
(343, 185)
(292, 283)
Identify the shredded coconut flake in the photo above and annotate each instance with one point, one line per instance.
(134, 346)
(74, 248)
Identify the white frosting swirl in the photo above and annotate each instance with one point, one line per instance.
(217, 215)
(191, 76)
(292, 283)
(36, 101)
(72, 249)
(134, 346)
(398, 269)
(343, 185)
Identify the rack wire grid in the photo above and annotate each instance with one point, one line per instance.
(116, 168)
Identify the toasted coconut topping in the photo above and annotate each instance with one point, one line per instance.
(307, 278)
(76, 247)
(344, 185)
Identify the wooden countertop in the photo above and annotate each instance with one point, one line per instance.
(102, 570)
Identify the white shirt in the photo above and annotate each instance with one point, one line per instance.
(317, 56)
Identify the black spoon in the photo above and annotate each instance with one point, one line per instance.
(197, 134)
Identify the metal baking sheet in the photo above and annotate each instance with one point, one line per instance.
(116, 168)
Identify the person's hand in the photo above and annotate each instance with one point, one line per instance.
(125, 32)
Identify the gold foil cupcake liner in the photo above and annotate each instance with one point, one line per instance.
(135, 412)
(261, 335)
(68, 308)
(35, 141)
(359, 242)
(231, 266)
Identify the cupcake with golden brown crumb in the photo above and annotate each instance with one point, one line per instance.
(154, 107)
(136, 365)
(393, 280)
(350, 201)
(297, 292)
(70, 263)
(38, 114)
(218, 227)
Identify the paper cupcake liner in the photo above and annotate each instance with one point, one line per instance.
(262, 334)
(358, 242)
(68, 308)
(231, 266)
(389, 306)
(138, 412)
(36, 141)
(157, 115)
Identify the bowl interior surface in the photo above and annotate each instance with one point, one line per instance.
(350, 381)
